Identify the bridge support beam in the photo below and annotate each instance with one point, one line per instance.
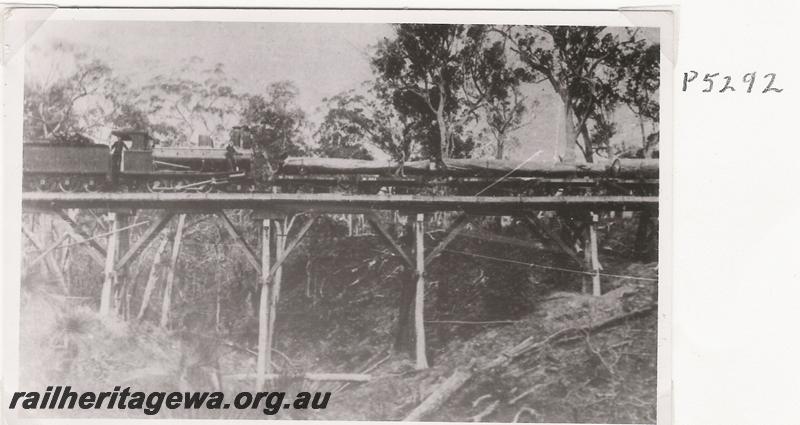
(274, 252)
(173, 263)
(122, 285)
(109, 272)
(419, 297)
(593, 260)
(418, 287)
(264, 357)
(407, 289)
(279, 235)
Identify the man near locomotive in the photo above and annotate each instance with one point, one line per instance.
(230, 156)
(116, 158)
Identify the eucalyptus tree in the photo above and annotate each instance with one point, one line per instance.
(587, 68)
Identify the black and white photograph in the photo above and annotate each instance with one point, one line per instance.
(319, 218)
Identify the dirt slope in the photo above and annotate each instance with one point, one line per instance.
(603, 376)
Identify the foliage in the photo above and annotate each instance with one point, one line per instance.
(492, 85)
(193, 100)
(420, 74)
(585, 66)
(641, 89)
(77, 97)
(277, 123)
(347, 128)
(353, 121)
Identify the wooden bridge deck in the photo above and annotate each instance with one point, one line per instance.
(331, 202)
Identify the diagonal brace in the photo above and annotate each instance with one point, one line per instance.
(455, 228)
(145, 240)
(376, 223)
(47, 251)
(32, 238)
(81, 236)
(537, 225)
(248, 252)
(290, 247)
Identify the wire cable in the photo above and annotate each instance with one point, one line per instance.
(541, 266)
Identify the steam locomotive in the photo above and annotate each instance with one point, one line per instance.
(147, 167)
(144, 167)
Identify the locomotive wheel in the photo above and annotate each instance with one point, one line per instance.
(91, 187)
(66, 185)
(157, 186)
(43, 185)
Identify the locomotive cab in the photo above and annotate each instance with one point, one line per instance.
(139, 140)
(138, 158)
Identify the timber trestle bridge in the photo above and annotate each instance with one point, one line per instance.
(274, 214)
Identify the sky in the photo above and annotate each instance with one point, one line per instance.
(323, 59)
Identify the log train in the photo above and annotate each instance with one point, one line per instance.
(148, 168)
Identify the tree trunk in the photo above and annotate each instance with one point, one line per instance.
(645, 148)
(443, 142)
(588, 152)
(565, 151)
(501, 144)
(45, 133)
(443, 139)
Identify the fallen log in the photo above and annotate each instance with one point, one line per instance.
(530, 344)
(440, 395)
(469, 167)
(367, 370)
(485, 412)
(634, 168)
(461, 377)
(350, 377)
(513, 168)
(466, 322)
